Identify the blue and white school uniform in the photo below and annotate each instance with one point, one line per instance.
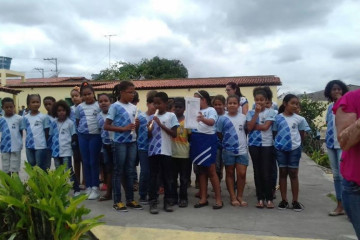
(61, 135)
(203, 144)
(35, 142)
(143, 147)
(49, 140)
(331, 134)
(11, 143)
(89, 141)
(242, 102)
(261, 138)
(262, 154)
(234, 142)
(122, 115)
(288, 139)
(160, 143)
(125, 149)
(106, 142)
(334, 151)
(87, 116)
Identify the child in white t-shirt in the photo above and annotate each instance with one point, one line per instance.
(289, 132)
(161, 129)
(36, 126)
(62, 134)
(231, 129)
(11, 137)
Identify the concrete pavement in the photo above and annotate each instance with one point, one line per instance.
(234, 222)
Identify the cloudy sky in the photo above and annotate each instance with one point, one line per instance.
(306, 43)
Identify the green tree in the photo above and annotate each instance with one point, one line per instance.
(311, 111)
(155, 68)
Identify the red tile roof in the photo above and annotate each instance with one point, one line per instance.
(9, 90)
(52, 84)
(11, 82)
(199, 82)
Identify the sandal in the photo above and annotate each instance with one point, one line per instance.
(217, 206)
(260, 204)
(270, 204)
(334, 213)
(235, 203)
(104, 198)
(242, 203)
(200, 205)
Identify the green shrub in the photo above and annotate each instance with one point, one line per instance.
(41, 208)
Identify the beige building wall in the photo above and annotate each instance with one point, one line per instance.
(64, 92)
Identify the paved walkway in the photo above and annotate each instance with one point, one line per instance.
(234, 222)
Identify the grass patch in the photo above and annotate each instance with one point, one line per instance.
(332, 197)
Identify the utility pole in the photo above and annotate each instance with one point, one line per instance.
(109, 36)
(54, 61)
(40, 70)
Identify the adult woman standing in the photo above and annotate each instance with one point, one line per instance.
(233, 89)
(334, 90)
(347, 121)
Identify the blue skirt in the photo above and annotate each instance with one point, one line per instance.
(203, 148)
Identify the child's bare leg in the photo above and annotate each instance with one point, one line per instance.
(283, 173)
(241, 179)
(294, 180)
(230, 184)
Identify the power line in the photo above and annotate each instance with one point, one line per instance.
(40, 70)
(56, 64)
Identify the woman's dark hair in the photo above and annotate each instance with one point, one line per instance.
(60, 103)
(29, 96)
(6, 100)
(286, 99)
(86, 85)
(122, 86)
(236, 88)
(329, 86)
(268, 92)
(49, 98)
(261, 91)
(206, 95)
(163, 96)
(220, 98)
(233, 96)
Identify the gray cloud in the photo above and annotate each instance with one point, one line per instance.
(347, 51)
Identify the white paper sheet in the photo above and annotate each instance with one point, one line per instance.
(192, 106)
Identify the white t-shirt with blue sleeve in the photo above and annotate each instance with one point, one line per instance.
(11, 139)
(287, 127)
(61, 134)
(160, 142)
(331, 134)
(35, 126)
(105, 135)
(232, 129)
(72, 113)
(122, 115)
(49, 140)
(142, 140)
(210, 113)
(87, 115)
(242, 102)
(261, 138)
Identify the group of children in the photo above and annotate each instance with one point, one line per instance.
(121, 135)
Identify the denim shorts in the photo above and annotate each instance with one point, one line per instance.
(230, 159)
(288, 159)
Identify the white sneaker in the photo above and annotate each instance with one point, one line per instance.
(76, 194)
(95, 193)
(88, 191)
